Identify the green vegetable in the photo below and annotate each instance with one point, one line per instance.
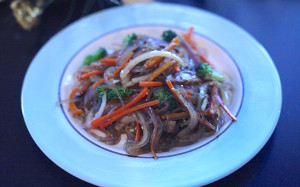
(204, 71)
(129, 39)
(163, 96)
(168, 35)
(100, 53)
(100, 90)
(111, 94)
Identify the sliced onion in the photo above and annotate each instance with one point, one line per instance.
(226, 91)
(125, 53)
(193, 121)
(127, 119)
(126, 79)
(109, 136)
(89, 96)
(102, 106)
(137, 80)
(136, 148)
(109, 82)
(204, 103)
(88, 119)
(146, 56)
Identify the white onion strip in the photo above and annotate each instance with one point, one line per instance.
(193, 121)
(146, 56)
(137, 80)
(102, 107)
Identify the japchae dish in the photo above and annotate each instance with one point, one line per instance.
(161, 93)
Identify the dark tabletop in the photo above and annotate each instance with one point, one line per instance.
(274, 23)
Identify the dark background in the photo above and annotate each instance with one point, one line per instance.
(274, 23)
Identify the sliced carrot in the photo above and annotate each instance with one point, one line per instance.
(138, 132)
(101, 81)
(97, 122)
(204, 59)
(206, 123)
(150, 83)
(92, 73)
(155, 60)
(172, 88)
(119, 69)
(161, 69)
(188, 35)
(109, 61)
(169, 83)
(176, 68)
(72, 104)
(174, 116)
(189, 92)
(130, 110)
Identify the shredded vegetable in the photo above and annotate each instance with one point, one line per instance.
(161, 94)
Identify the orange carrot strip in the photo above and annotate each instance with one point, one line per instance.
(155, 60)
(138, 132)
(130, 110)
(97, 122)
(72, 104)
(205, 122)
(172, 88)
(169, 83)
(173, 116)
(189, 92)
(161, 69)
(204, 59)
(101, 81)
(109, 61)
(89, 74)
(119, 69)
(176, 68)
(188, 35)
(150, 83)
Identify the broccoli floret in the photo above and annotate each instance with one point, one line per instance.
(100, 90)
(129, 39)
(168, 35)
(124, 92)
(163, 95)
(204, 71)
(100, 53)
(111, 94)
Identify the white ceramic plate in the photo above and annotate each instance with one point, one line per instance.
(234, 52)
